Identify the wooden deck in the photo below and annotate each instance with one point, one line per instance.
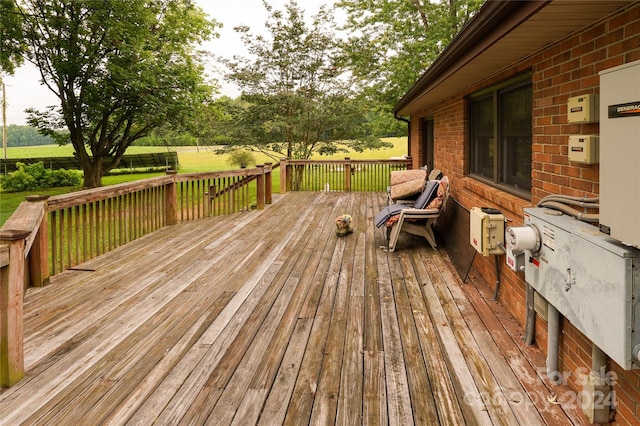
(266, 317)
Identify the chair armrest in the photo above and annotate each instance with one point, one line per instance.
(420, 213)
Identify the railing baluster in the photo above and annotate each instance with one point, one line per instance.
(111, 224)
(54, 240)
(90, 231)
(128, 217)
(104, 225)
(70, 239)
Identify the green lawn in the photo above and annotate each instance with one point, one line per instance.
(191, 159)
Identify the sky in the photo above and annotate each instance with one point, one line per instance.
(23, 89)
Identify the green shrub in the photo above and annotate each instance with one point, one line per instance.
(241, 158)
(34, 176)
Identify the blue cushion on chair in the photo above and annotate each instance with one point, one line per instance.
(429, 192)
(387, 212)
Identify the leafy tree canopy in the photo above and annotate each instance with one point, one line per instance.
(392, 42)
(297, 96)
(12, 44)
(120, 69)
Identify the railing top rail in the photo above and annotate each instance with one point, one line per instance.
(84, 196)
(27, 217)
(351, 161)
(219, 174)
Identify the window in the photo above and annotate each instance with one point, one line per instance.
(500, 135)
(427, 140)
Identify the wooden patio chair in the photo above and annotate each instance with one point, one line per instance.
(415, 220)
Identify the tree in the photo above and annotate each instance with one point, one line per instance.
(394, 41)
(120, 69)
(297, 98)
(12, 45)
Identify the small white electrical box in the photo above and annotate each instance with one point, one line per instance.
(584, 149)
(487, 230)
(583, 109)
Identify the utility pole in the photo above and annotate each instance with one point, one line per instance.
(4, 118)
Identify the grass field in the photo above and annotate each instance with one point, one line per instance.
(191, 160)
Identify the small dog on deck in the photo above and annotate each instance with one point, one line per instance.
(343, 225)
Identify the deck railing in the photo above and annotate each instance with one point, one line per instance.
(338, 175)
(46, 236)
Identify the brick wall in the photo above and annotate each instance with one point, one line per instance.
(566, 69)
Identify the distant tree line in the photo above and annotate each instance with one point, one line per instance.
(26, 136)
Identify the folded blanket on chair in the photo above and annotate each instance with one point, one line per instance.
(388, 211)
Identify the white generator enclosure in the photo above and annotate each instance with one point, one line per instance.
(591, 279)
(620, 153)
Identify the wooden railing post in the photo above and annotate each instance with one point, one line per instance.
(285, 171)
(39, 254)
(171, 199)
(12, 281)
(260, 187)
(347, 174)
(268, 184)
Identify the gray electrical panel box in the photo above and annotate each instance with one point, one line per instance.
(592, 279)
(620, 153)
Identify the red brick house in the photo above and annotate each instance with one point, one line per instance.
(492, 113)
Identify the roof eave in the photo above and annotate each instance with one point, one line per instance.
(494, 16)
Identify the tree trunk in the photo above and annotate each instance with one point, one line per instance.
(91, 165)
(92, 176)
(92, 170)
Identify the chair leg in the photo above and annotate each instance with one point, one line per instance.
(393, 235)
(429, 233)
(431, 238)
(387, 236)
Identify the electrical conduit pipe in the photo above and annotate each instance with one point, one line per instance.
(553, 342)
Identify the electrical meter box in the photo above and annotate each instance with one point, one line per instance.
(487, 230)
(582, 109)
(583, 149)
(620, 153)
(592, 279)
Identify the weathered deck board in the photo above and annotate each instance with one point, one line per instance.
(527, 362)
(266, 317)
